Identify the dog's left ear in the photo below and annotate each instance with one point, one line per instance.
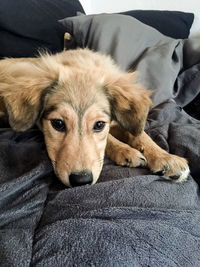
(23, 86)
(130, 103)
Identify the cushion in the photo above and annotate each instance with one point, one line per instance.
(133, 45)
(122, 37)
(26, 26)
(174, 24)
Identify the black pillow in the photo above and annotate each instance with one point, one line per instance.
(26, 26)
(174, 24)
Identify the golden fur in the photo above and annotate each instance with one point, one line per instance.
(83, 90)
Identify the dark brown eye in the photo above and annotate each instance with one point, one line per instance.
(58, 125)
(98, 126)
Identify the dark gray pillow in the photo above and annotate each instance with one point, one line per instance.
(133, 45)
(123, 37)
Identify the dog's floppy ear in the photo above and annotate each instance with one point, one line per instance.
(23, 86)
(130, 103)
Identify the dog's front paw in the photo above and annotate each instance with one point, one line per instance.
(169, 166)
(128, 156)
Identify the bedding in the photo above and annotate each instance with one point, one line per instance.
(29, 26)
(174, 24)
(102, 6)
(130, 217)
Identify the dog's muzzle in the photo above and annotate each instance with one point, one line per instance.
(80, 178)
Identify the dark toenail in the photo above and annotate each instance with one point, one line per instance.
(166, 168)
(174, 177)
(141, 150)
(162, 172)
(128, 161)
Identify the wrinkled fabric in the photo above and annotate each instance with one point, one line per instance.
(158, 59)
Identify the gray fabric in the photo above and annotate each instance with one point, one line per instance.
(139, 221)
(24, 179)
(130, 217)
(122, 37)
(134, 45)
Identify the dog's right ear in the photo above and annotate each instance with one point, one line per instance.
(23, 86)
(130, 103)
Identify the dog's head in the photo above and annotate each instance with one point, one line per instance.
(72, 96)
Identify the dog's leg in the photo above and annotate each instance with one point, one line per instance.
(123, 154)
(158, 160)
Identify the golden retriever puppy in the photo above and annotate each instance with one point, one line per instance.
(73, 96)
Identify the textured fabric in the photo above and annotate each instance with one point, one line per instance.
(129, 218)
(24, 179)
(27, 26)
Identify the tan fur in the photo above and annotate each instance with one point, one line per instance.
(158, 160)
(79, 87)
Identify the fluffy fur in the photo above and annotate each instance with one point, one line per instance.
(83, 91)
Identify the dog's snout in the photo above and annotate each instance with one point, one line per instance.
(80, 178)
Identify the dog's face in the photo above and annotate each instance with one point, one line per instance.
(72, 96)
(75, 123)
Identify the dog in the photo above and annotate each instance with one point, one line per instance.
(86, 107)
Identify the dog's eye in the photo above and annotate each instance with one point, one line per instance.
(98, 126)
(58, 125)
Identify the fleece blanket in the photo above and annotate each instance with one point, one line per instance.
(130, 217)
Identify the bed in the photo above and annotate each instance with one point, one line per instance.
(131, 217)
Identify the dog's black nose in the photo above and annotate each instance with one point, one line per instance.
(80, 178)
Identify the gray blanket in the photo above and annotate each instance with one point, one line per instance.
(130, 217)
